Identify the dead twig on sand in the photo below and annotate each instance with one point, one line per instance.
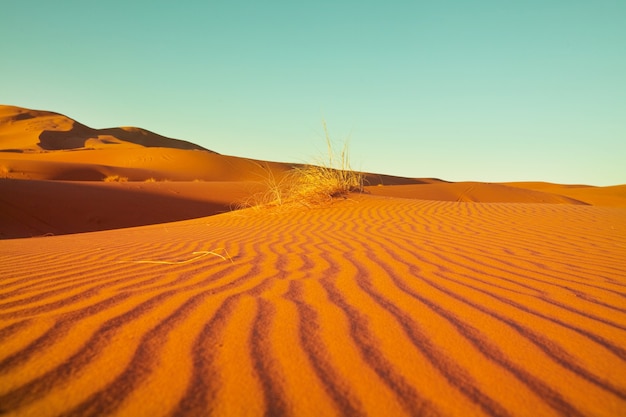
(200, 254)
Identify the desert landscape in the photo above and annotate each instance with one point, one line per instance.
(147, 276)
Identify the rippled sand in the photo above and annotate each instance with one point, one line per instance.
(369, 306)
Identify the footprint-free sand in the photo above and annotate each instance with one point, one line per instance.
(419, 297)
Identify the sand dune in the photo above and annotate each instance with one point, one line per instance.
(420, 297)
(371, 306)
(34, 130)
(539, 193)
(473, 192)
(610, 196)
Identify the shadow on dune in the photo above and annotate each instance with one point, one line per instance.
(370, 179)
(25, 116)
(38, 208)
(53, 140)
(77, 137)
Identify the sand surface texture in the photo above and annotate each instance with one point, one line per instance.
(453, 299)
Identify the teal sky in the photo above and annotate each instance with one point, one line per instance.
(459, 90)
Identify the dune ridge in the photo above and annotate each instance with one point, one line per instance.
(371, 306)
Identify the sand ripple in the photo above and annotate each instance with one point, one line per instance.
(374, 306)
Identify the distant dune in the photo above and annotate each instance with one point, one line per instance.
(34, 130)
(149, 295)
(473, 192)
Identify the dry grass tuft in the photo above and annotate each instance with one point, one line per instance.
(275, 189)
(310, 185)
(115, 178)
(328, 179)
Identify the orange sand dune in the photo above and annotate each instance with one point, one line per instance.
(34, 130)
(48, 146)
(370, 306)
(612, 196)
(472, 192)
(422, 298)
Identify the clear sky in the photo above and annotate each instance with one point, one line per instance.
(486, 90)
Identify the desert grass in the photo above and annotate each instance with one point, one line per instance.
(115, 178)
(275, 189)
(312, 184)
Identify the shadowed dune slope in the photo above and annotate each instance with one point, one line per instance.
(36, 208)
(371, 306)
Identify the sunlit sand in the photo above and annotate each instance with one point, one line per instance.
(154, 297)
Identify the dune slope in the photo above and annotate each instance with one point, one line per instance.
(37, 208)
(370, 306)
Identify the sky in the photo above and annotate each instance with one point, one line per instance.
(479, 90)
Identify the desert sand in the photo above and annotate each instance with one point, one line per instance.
(163, 296)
